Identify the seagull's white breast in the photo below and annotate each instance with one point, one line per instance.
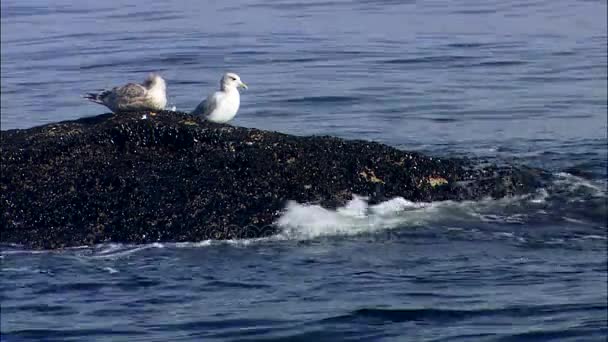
(157, 97)
(226, 105)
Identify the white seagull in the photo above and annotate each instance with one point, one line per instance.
(133, 97)
(222, 105)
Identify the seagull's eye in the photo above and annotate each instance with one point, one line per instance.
(233, 78)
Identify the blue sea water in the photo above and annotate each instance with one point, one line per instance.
(521, 82)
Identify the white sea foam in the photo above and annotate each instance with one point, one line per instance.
(575, 184)
(111, 270)
(204, 243)
(302, 221)
(306, 221)
(19, 270)
(24, 251)
(593, 237)
(117, 250)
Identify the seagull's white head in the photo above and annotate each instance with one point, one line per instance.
(231, 81)
(155, 81)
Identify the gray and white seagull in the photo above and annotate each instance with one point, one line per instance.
(222, 105)
(151, 96)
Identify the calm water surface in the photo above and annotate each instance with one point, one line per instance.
(522, 82)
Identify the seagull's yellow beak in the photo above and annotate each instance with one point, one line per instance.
(243, 85)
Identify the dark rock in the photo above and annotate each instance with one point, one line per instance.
(171, 177)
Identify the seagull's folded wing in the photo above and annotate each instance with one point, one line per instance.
(206, 107)
(131, 96)
(130, 91)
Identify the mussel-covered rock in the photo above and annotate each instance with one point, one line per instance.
(138, 178)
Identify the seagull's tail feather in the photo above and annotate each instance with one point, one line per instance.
(97, 97)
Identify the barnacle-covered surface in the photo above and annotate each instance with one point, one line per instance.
(140, 178)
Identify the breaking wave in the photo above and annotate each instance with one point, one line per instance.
(569, 199)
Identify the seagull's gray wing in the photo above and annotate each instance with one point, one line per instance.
(205, 107)
(130, 91)
(130, 97)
